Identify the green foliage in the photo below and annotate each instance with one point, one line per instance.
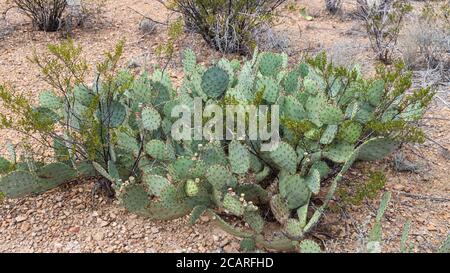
(363, 190)
(228, 26)
(383, 21)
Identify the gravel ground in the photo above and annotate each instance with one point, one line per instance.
(68, 220)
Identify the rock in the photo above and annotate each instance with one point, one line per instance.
(102, 223)
(147, 26)
(74, 229)
(154, 229)
(21, 218)
(98, 236)
(133, 64)
(25, 227)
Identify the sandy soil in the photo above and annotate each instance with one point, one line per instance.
(65, 220)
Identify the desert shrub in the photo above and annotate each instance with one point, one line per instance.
(122, 127)
(54, 15)
(333, 6)
(426, 43)
(228, 26)
(46, 15)
(383, 20)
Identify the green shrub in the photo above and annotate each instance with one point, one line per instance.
(46, 15)
(228, 26)
(122, 125)
(383, 21)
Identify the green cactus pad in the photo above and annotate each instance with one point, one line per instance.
(262, 175)
(331, 115)
(293, 109)
(376, 149)
(271, 89)
(339, 152)
(322, 167)
(159, 150)
(48, 99)
(196, 213)
(270, 64)
(191, 188)
(256, 165)
(329, 134)
(248, 245)
(291, 84)
(215, 82)
(180, 169)
(279, 208)
(302, 214)
(376, 93)
(310, 86)
(151, 120)
(239, 157)
(156, 184)
(113, 115)
(83, 95)
(189, 61)
(253, 192)
(285, 157)
(295, 190)
(254, 220)
(53, 175)
(22, 183)
(308, 246)
(134, 198)
(350, 132)
(233, 205)
(19, 184)
(127, 142)
(313, 181)
(293, 228)
(218, 176)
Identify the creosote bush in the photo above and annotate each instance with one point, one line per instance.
(228, 26)
(46, 15)
(426, 43)
(119, 127)
(333, 6)
(383, 20)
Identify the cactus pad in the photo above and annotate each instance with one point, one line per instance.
(331, 115)
(191, 188)
(293, 228)
(156, 184)
(239, 157)
(151, 120)
(279, 208)
(285, 157)
(218, 176)
(313, 181)
(48, 99)
(339, 152)
(295, 190)
(270, 64)
(350, 132)
(215, 82)
(233, 205)
(134, 198)
(376, 149)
